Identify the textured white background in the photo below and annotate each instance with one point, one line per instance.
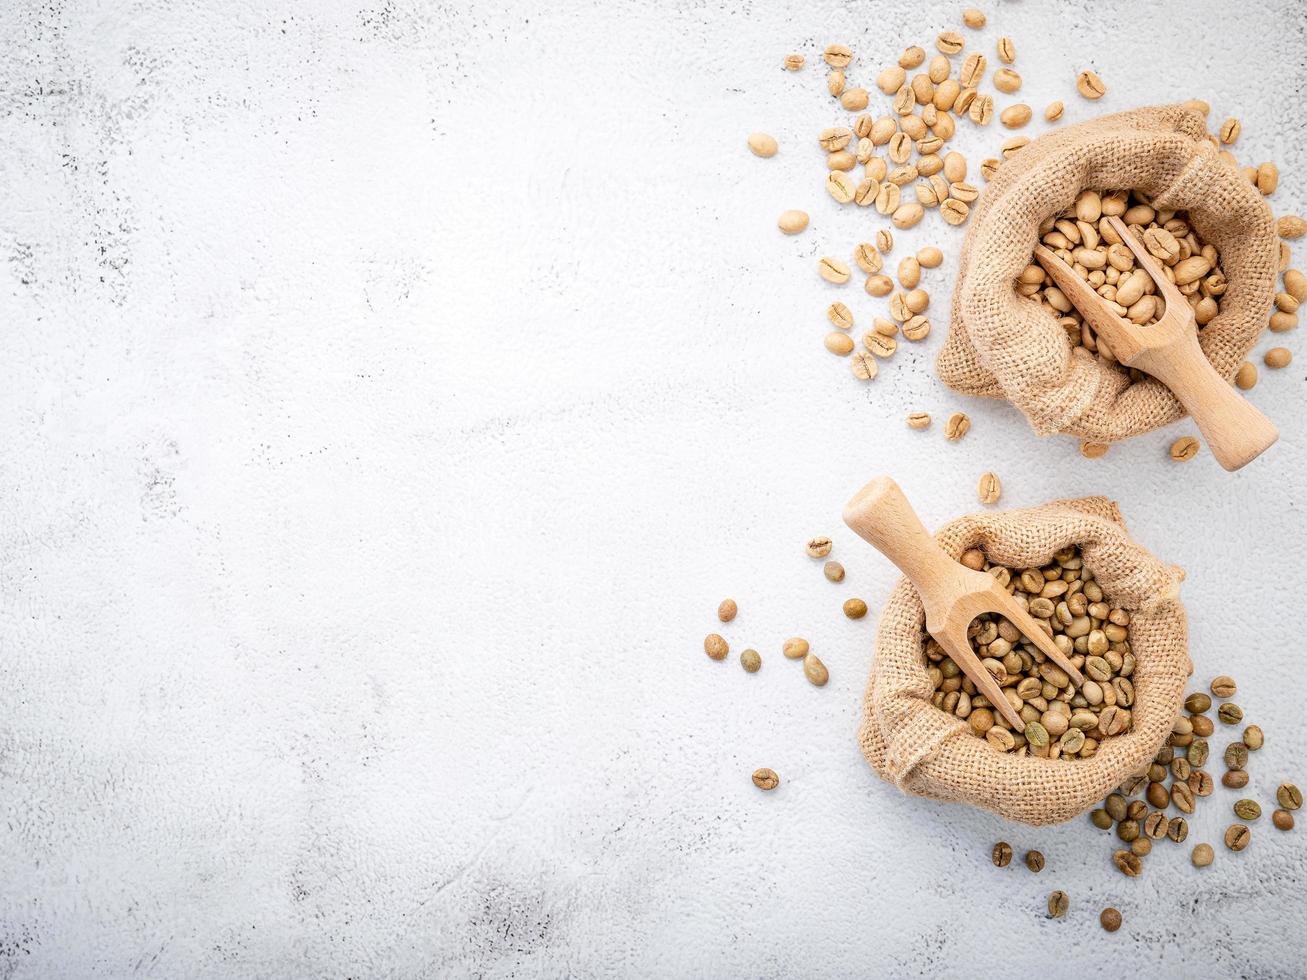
(391, 391)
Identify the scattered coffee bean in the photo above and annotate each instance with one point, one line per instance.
(793, 221)
(855, 608)
(1115, 805)
(1002, 854)
(1155, 825)
(726, 610)
(1203, 726)
(1203, 855)
(1201, 783)
(1184, 449)
(1128, 863)
(1237, 837)
(1247, 810)
(1235, 779)
(1128, 830)
(863, 365)
(1182, 797)
(1254, 737)
(1178, 829)
(1288, 796)
(751, 661)
(1090, 85)
(1277, 357)
(1035, 861)
(715, 646)
(990, 489)
(833, 571)
(1110, 919)
(1197, 702)
(1230, 714)
(1224, 687)
(762, 145)
(815, 671)
(957, 426)
(1157, 793)
(766, 778)
(793, 62)
(1282, 819)
(795, 648)
(919, 420)
(818, 547)
(1236, 755)
(1101, 819)
(1058, 903)
(1141, 847)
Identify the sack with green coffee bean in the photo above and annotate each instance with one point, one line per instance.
(927, 751)
(1003, 344)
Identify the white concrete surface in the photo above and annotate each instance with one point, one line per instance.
(392, 390)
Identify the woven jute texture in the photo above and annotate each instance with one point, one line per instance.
(1003, 345)
(926, 752)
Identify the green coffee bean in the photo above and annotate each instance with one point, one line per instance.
(1289, 796)
(1230, 714)
(1247, 810)
(1236, 755)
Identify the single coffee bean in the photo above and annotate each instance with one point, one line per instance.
(1184, 449)
(1110, 919)
(1236, 755)
(1141, 846)
(766, 778)
(1224, 687)
(1203, 725)
(1115, 806)
(1254, 738)
(1178, 830)
(1035, 861)
(863, 365)
(1136, 810)
(919, 420)
(990, 489)
(1288, 796)
(795, 648)
(1127, 863)
(818, 547)
(1203, 855)
(1199, 751)
(1197, 703)
(762, 144)
(957, 426)
(1036, 735)
(1235, 779)
(1201, 782)
(716, 646)
(1090, 85)
(1002, 854)
(1282, 819)
(1230, 714)
(855, 608)
(816, 671)
(1101, 819)
(1128, 830)
(751, 661)
(1058, 903)
(1183, 797)
(1157, 794)
(1181, 768)
(727, 610)
(1247, 810)
(833, 571)
(1237, 837)
(1155, 825)
(793, 221)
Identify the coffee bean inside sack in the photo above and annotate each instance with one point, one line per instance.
(1084, 239)
(1061, 722)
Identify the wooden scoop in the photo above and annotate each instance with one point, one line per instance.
(1168, 350)
(953, 594)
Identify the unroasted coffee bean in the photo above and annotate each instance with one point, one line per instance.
(818, 547)
(833, 571)
(1288, 796)
(815, 671)
(1282, 819)
(1178, 830)
(1058, 903)
(1197, 703)
(1002, 854)
(1127, 830)
(1110, 919)
(1231, 714)
(855, 608)
(1101, 819)
(1254, 737)
(1141, 846)
(990, 489)
(1035, 861)
(1184, 449)
(957, 426)
(793, 221)
(1235, 779)
(1224, 687)
(1201, 782)
(795, 648)
(726, 610)
(1127, 863)
(1237, 837)
(1136, 810)
(1155, 825)
(766, 778)
(1198, 752)
(1182, 797)
(1202, 725)
(919, 420)
(1247, 809)
(1203, 855)
(763, 145)
(716, 646)
(751, 661)
(1115, 805)
(1090, 85)
(1157, 794)
(1236, 755)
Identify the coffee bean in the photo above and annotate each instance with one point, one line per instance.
(919, 420)
(990, 489)
(1136, 810)
(726, 610)
(1230, 714)
(1035, 861)
(1058, 903)
(957, 426)
(1141, 846)
(1203, 855)
(1036, 735)
(716, 646)
(815, 671)
(1223, 687)
(1253, 737)
(1101, 819)
(1184, 449)
(833, 571)
(1197, 703)
(1090, 85)
(1198, 752)
(855, 608)
(1201, 782)
(751, 661)
(863, 365)
(795, 648)
(1203, 725)
(1247, 810)
(1178, 830)
(1128, 863)
(1237, 837)
(766, 778)
(1288, 796)
(793, 221)
(1115, 805)
(1157, 794)
(1235, 779)
(1236, 755)
(1128, 830)
(1155, 825)
(819, 547)
(762, 145)
(1002, 854)
(1110, 919)
(1282, 819)
(1182, 797)
(1181, 769)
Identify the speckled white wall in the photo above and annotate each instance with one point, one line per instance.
(391, 391)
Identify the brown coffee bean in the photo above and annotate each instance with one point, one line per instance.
(1141, 846)
(833, 571)
(1155, 825)
(1230, 714)
(716, 646)
(1203, 725)
(1136, 810)
(1198, 752)
(1197, 703)
(1184, 449)
(1203, 855)
(1127, 863)
(1282, 819)
(1035, 861)
(1157, 794)
(1002, 854)
(1183, 797)
(1224, 687)
(1201, 782)
(726, 610)
(855, 608)
(795, 648)
(1178, 830)
(1254, 738)
(819, 547)
(1115, 805)
(1110, 919)
(1236, 755)
(1235, 779)
(1237, 837)
(1128, 830)
(1101, 819)
(1058, 904)
(751, 661)
(1288, 796)
(957, 426)
(766, 778)
(815, 671)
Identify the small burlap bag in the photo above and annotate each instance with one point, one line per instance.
(927, 752)
(1003, 345)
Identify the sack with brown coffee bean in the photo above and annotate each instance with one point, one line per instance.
(928, 752)
(1003, 345)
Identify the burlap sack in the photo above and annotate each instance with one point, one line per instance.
(1002, 345)
(926, 752)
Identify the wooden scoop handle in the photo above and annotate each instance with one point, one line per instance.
(1234, 429)
(882, 516)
